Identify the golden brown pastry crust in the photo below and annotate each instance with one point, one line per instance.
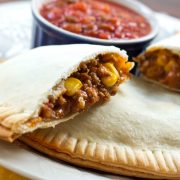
(122, 160)
(6, 134)
(9, 117)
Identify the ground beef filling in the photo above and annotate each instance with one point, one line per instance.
(94, 78)
(162, 66)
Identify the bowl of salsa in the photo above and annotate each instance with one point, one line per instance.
(127, 24)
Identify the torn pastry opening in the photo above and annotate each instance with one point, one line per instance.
(161, 65)
(94, 81)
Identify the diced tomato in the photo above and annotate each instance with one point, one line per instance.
(115, 21)
(107, 27)
(76, 28)
(81, 6)
(103, 35)
(101, 6)
(96, 18)
(88, 19)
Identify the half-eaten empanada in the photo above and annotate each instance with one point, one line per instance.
(49, 85)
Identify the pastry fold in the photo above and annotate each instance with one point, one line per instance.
(135, 134)
(52, 84)
(161, 63)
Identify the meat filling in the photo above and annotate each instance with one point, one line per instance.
(95, 81)
(162, 66)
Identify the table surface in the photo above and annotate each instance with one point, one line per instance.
(172, 7)
(168, 6)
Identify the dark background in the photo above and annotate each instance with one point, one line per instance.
(171, 7)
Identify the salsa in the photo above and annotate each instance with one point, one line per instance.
(96, 18)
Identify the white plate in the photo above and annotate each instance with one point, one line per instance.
(33, 165)
(15, 34)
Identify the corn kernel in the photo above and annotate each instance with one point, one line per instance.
(110, 67)
(129, 65)
(72, 85)
(170, 66)
(110, 80)
(161, 61)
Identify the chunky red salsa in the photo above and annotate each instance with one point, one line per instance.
(96, 18)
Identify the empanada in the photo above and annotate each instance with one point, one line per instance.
(137, 133)
(52, 84)
(161, 63)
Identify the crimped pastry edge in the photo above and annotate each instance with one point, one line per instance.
(120, 159)
(13, 123)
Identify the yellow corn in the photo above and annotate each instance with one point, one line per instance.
(161, 61)
(110, 67)
(110, 80)
(72, 85)
(169, 66)
(129, 65)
